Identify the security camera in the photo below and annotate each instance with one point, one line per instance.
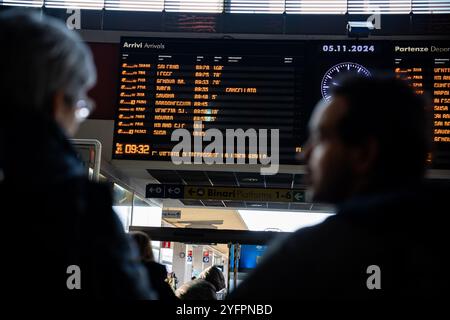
(359, 29)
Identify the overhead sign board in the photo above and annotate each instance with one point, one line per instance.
(224, 193)
(164, 191)
(243, 194)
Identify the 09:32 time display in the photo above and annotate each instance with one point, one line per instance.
(131, 148)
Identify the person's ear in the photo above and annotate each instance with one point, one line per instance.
(63, 114)
(58, 106)
(365, 156)
(60, 111)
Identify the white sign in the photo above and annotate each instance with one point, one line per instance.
(171, 214)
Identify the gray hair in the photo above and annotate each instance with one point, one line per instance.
(39, 57)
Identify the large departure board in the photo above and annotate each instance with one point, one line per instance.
(201, 84)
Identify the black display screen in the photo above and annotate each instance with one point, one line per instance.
(201, 84)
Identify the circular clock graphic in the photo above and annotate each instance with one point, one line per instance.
(335, 74)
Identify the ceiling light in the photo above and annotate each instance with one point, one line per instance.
(287, 221)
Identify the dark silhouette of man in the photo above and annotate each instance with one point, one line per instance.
(366, 154)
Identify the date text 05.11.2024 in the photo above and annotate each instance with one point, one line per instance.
(347, 48)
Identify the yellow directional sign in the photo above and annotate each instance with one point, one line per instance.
(243, 194)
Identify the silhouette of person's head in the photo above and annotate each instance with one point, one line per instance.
(372, 135)
(143, 242)
(213, 275)
(46, 69)
(198, 289)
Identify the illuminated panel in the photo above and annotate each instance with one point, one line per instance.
(198, 85)
(431, 6)
(193, 6)
(316, 6)
(79, 4)
(379, 6)
(201, 84)
(425, 65)
(135, 5)
(23, 3)
(427, 68)
(255, 6)
(441, 100)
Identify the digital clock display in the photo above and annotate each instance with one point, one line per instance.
(131, 148)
